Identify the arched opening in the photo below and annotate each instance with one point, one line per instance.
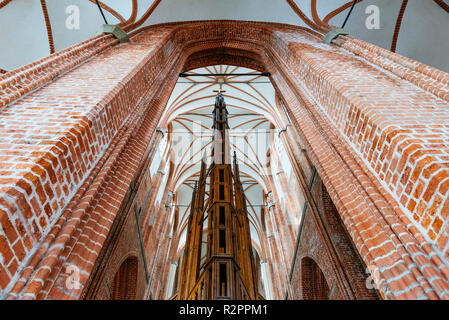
(314, 284)
(125, 280)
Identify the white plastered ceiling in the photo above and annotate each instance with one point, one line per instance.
(423, 35)
(252, 109)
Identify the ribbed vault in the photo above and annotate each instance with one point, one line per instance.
(251, 102)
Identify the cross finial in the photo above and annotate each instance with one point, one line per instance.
(220, 91)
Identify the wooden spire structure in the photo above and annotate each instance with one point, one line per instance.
(218, 261)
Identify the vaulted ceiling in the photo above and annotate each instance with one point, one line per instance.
(251, 104)
(33, 29)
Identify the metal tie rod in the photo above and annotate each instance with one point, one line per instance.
(101, 11)
(184, 74)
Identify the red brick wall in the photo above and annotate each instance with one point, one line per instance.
(356, 108)
(121, 244)
(327, 264)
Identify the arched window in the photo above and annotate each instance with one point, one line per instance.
(314, 284)
(125, 280)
